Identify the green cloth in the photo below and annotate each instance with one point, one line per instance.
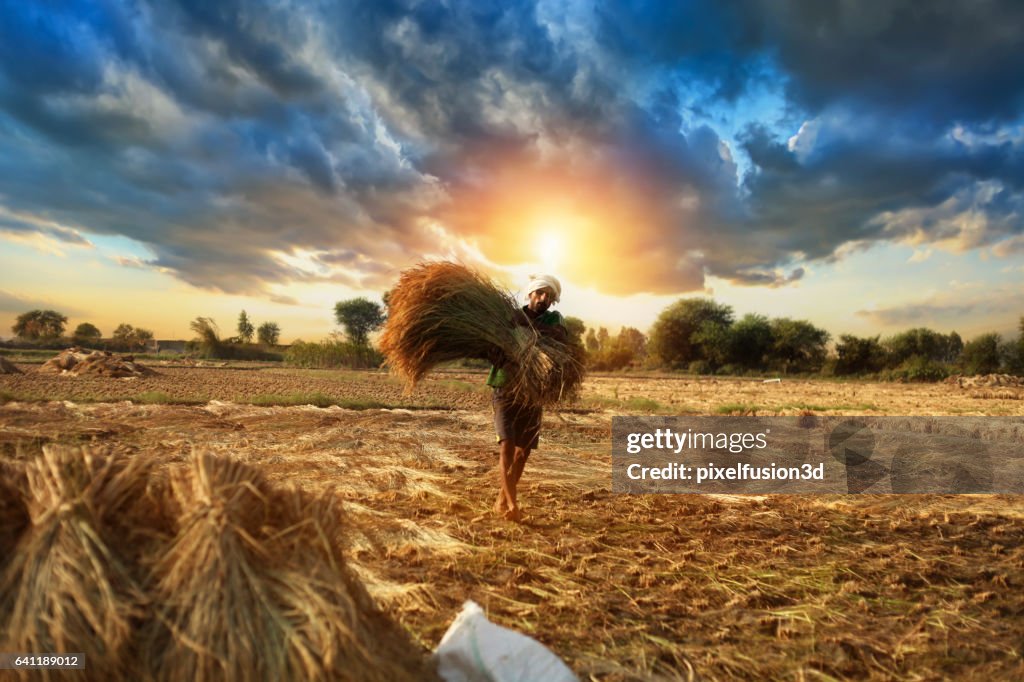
(497, 378)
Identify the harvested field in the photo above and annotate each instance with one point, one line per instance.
(621, 587)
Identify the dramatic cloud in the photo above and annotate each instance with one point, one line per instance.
(249, 144)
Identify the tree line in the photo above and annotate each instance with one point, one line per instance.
(696, 335)
(47, 327)
(702, 336)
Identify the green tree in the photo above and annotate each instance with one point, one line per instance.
(1015, 353)
(268, 333)
(86, 333)
(750, 341)
(207, 336)
(603, 341)
(924, 343)
(712, 343)
(245, 328)
(39, 324)
(857, 355)
(981, 356)
(797, 345)
(593, 345)
(632, 339)
(682, 331)
(131, 338)
(359, 317)
(955, 346)
(618, 352)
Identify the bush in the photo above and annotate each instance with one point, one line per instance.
(858, 356)
(918, 368)
(224, 350)
(981, 356)
(730, 370)
(331, 353)
(699, 367)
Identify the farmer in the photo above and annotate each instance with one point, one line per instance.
(518, 425)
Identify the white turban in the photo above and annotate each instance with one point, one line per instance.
(541, 281)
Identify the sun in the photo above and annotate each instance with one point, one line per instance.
(549, 245)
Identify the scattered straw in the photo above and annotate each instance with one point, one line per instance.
(440, 312)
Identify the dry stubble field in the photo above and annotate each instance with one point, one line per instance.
(621, 587)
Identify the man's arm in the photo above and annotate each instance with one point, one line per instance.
(554, 331)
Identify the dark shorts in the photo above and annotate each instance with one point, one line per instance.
(518, 424)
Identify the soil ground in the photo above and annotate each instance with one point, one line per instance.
(621, 587)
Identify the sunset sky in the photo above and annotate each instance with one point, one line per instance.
(859, 165)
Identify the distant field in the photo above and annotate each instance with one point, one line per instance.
(259, 382)
(621, 587)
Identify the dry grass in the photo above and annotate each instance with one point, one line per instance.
(67, 587)
(13, 514)
(661, 587)
(254, 587)
(198, 572)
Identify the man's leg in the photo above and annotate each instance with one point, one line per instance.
(518, 464)
(507, 488)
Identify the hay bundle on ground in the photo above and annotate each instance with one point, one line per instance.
(444, 311)
(65, 586)
(99, 363)
(13, 514)
(254, 587)
(8, 367)
(984, 380)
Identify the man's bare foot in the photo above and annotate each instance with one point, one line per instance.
(514, 514)
(500, 506)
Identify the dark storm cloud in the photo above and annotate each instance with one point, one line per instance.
(886, 87)
(940, 61)
(236, 138)
(16, 225)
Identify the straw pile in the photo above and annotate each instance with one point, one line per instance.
(99, 363)
(254, 587)
(985, 380)
(203, 573)
(13, 514)
(64, 587)
(440, 312)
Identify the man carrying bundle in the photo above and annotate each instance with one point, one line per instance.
(517, 424)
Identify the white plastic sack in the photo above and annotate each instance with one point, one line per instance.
(476, 650)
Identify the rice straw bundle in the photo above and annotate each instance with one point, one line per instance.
(254, 587)
(13, 514)
(64, 588)
(444, 311)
